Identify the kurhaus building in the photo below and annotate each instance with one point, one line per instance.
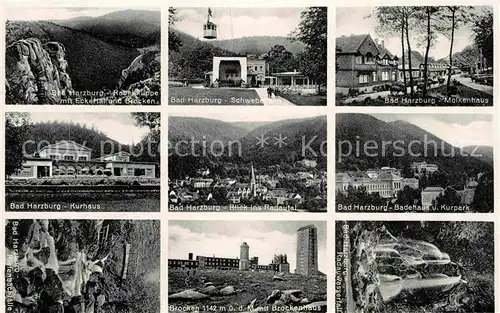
(70, 158)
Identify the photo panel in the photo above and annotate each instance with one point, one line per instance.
(238, 56)
(224, 162)
(83, 56)
(232, 266)
(414, 266)
(414, 56)
(83, 265)
(89, 161)
(425, 163)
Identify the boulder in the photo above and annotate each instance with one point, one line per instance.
(278, 278)
(101, 299)
(188, 295)
(227, 291)
(251, 306)
(144, 67)
(208, 283)
(288, 298)
(275, 295)
(304, 301)
(294, 292)
(211, 291)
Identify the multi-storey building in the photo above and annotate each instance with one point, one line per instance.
(363, 63)
(307, 251)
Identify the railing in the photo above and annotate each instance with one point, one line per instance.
(79, 189)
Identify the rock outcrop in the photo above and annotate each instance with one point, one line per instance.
(36, 73)
(144, 67)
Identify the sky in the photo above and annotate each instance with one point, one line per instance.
(118, 126)
(355, 20)
(223, 239)
(459, 130)
(243, 114)
(35, 14)
(240, 22)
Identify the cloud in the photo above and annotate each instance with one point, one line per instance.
(459, 130)
(459, 135)
(235, 23)
(357, 20)
(117, 126)
(242, 113)
(38, 14)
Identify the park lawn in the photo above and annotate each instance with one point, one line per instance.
(212, 96)
(305, 100)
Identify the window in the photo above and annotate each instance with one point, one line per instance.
(385, 62)
(363, 78)
(255, 67)
(82, 158)
(374, 76)
(27, 171)
(385, 75)
(369, 59)
(53, 157)
(261, 67)
(359, 59)
(69, 158)
(394, 76)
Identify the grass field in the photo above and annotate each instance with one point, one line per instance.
(303, 100)
(214, 96)
(253, 285)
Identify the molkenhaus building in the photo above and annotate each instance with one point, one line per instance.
(68, 158)
(363, 63)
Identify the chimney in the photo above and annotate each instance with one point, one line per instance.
(190, 256)
(382, 43)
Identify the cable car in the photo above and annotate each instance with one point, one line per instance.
(209, 28)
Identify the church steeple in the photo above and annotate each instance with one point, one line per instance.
(253, 183)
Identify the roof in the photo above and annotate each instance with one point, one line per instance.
(311, 226)
(113, 154)
(278, 193)
(288, 74)
(66, 145)
(433, 189)
(350, 44)
(383, 52)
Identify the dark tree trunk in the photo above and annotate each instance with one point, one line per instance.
(448, 81)
(403, 54)
(409, 53)
(426, 60)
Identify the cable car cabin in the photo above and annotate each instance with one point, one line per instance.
(209, 30)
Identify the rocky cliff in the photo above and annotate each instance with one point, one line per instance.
(36, 73)
(142, 80)
(145, 66)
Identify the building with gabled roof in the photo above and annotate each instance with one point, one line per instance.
(364, 63)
